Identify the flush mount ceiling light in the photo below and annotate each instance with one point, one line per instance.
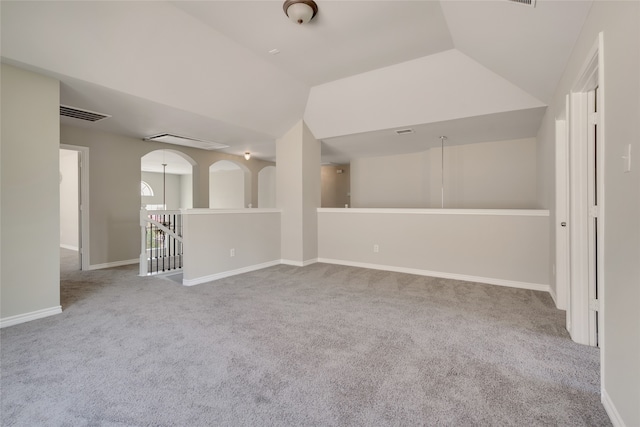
(300, 11)
(169, 138)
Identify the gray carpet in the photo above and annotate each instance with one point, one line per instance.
(319, 345)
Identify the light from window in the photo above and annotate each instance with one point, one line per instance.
(145, 189)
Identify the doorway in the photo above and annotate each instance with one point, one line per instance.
(582, 256)
(74, 206)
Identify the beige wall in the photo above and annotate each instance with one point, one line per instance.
(267, 187)
(619, 22)
(400, 181)
(298, 193)
(30, 196)
(115, 187)
(172, 184)
(489, 175)
(253, 235)
(226, 189)
(480, 246)
(336, 187)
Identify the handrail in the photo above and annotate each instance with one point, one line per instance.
(162, 227)
(161, 241)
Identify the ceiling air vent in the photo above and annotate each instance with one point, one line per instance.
(404, 131)
(77, 113)
(169, 138)
(530, 3)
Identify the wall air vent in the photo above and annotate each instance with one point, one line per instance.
(530, 3)
(404, 131)
(77, 113)
(169, 138)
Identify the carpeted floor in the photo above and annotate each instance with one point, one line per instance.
(319, 345)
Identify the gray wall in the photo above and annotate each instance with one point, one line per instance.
(173, 194)
(115, 188)
(488, 175)
(253, 235)
(336, 187)
(298, 193)
(480, 245)
(619, 21)
(29, 179)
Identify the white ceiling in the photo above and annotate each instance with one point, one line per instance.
(202, 68)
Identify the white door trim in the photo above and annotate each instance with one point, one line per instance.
(578, 223)
(83, 153)
(562, 272)
(590, 77)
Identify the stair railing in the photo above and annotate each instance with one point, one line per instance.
(161, 242)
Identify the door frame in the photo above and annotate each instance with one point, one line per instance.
(83, 202)
(580, 304)
(562, 270)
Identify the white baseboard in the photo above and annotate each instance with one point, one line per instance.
(552, 292)
(487, 280)
(615, 417)
(27, 317)
(217, 276)
(113, 264)
(299, 263)
(71, 248)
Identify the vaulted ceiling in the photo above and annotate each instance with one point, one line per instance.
(473, 70)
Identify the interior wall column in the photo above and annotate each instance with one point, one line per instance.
(298, 194)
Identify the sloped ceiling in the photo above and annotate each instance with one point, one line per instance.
(203, 69)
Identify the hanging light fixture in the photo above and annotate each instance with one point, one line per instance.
(247, 155)
(300, 11)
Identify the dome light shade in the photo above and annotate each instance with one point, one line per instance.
(300, 11)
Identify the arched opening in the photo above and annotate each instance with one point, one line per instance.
(229, 185)
(166, 180)
(267, 187)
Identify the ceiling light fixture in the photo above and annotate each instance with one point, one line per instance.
(300, 11)
(169, 138)
(247, 155)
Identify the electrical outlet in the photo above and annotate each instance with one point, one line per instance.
(232, 252)
(376, 248)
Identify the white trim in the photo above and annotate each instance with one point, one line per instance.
(70, 247)
(113, 264)
(615, 417)
(217, 276)
(601, 204)
(579, 219)
(203, 211)
(83, 152)
(552, 292)
(454, 276)
(561, 273)
(27, 317)
(493, 212)
(299, 263)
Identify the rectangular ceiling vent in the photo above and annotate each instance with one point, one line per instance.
(77, 113)
(169, 138)
(530, 3)
(404, 131)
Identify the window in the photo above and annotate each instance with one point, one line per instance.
(145, 189)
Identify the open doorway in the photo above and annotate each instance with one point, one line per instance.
(74, 207)
(166, 180)
(581, 250)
